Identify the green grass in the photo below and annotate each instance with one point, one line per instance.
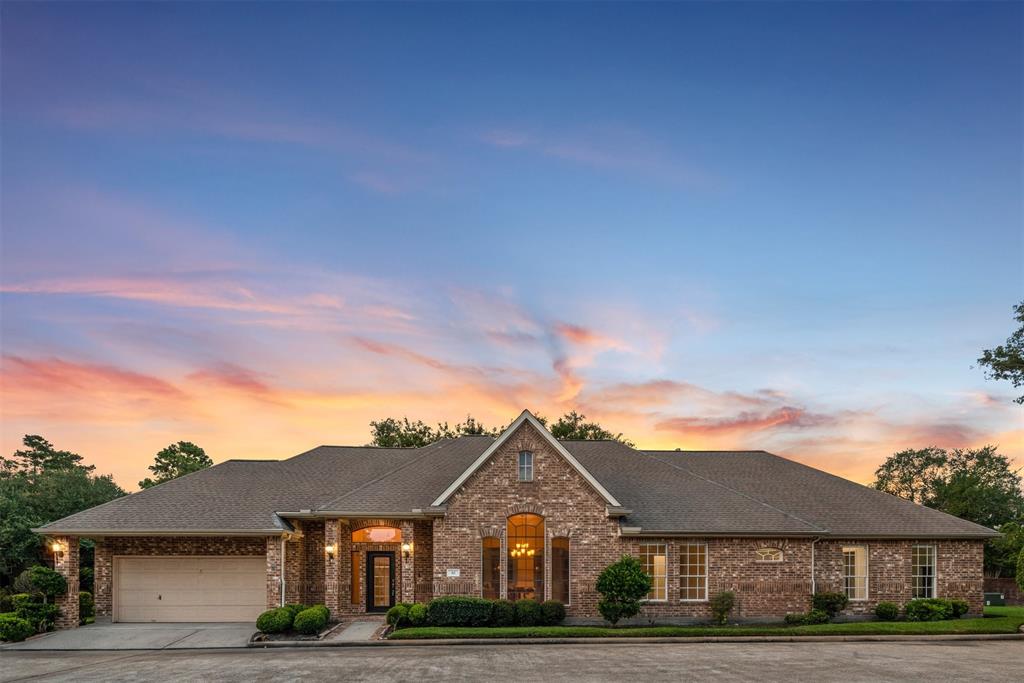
(996, 620)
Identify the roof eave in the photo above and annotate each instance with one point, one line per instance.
(159, 532)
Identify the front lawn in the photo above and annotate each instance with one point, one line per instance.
(996, 620)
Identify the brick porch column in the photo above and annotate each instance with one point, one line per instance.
(274, 570)
(65, 562)
(408, 563)
(103, 581)
(332, 566)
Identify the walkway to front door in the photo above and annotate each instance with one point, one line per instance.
(380, 581)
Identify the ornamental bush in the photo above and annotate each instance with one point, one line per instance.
(1020, 569)
(295, 608)
(13, 628)
(86, 606)
(929, 609)
(312, 620)
(277, 620)
(887, 611)
(417, 614)
(960, 607)
(398, 616)
(503, 613)
(458, 611)
(622, 585)
(528, 613)
(721, 605)
(32, 609)
(830, 603)
(815, 616)
(552, 612)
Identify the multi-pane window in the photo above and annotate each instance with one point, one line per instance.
(855, 572)
(525, 573)
(525, 466)
(490, 556)
(653, 557)
(693, 571)
(923, 570)
(560, 570)
(769, 555)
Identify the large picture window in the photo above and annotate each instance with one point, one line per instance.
(855, 572)
(377, 534)
(922, 561)
(693, 571)
(525, 556)
(491, 568)
(653, 557)
(560, 570)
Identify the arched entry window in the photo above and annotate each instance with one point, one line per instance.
(377, 534)
(525, 556)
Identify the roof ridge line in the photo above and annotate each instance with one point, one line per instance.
(739, 493)
(386, 474)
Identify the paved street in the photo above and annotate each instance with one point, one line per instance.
(846, 662)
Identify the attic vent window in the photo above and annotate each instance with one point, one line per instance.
(525, 466)
(769, 555)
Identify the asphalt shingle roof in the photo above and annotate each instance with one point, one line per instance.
(741, 492)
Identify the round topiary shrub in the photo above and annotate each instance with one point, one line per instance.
(48, 582)
(528, 612)
(14, 629)
(398, 616)
(312, 620)
(887, 611)
(295, 609)
(417, 614)
(503, 613)
(622, 585)
(276, 620)
(552, 612)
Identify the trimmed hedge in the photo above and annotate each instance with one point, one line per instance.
(13, 628)
(960, 607)
(830, 603)
(935, 609)
(459, 611)
(528, 613)
(32, 609)
(277, 620)
(398, 616)
(417, 614)
(815, 616)
(887, 611)
(552, 612)
(312, 620)
(503, 613)
(295, 609)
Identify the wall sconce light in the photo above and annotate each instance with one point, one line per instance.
(329, 548)
(406, 550)
(57, 548)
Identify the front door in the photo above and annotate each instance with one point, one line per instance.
(380, 581)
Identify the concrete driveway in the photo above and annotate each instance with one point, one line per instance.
(140, 637)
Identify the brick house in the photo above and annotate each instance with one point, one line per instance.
(520, 516)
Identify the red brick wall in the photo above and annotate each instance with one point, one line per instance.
(66, 563)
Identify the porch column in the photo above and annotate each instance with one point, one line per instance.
(65, 562)
(103, 581)
(274, 571)
(332, 565)
(408, 563)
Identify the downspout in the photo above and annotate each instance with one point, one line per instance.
(283, 549)
(814, 582)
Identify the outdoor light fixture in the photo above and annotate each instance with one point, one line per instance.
(330, 550)
(58, 549)
(406, 550)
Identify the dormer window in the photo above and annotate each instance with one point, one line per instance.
(525, 466)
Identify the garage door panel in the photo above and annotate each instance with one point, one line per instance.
(190, 588)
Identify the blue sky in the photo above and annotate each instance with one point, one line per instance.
(782, 226)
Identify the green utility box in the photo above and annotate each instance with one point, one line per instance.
(994, 599)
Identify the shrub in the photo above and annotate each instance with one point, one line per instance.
(13, 628)
(528, 613)
(960, 607)
(86, 606)
(48, 582)
(503, 613)
(23, 583)
(311, 620)
(622, 585)
(276, 620)
(795, 618)
(1020, 569)
(887, 611)
(398, 616)
(721, 605)
(294, 609)
(928, 609)
(552, 612)
(815, 616)
(86, 579)
(458, 611)
(830, 603)
(5, 601)
(417, 614)
(32, 609)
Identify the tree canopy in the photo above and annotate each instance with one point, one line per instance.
(40, 484)
(176, 460)
(1006, 361)
(393, 432)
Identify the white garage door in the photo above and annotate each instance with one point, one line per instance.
(189, 588)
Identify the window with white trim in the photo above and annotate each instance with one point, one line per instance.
(922, 562)
(653, 556)
(855, 572)
(525, 466)
(693, 571)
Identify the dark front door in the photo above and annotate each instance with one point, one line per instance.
(380, 581)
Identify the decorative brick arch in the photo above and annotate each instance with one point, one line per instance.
(492, 531)
(358, 524)
(520, 508)
(560, 531)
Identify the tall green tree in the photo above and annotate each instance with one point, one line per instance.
(40, 484)
(1006, 361)
(978, 485)
(402, 433)
(574, 426)
(175, 461)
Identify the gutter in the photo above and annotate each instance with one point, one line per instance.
(814, 582)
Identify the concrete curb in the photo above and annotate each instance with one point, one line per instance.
(626, 640)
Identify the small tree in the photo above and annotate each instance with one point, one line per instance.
(622, 585)
(721, 606)
(48, 582)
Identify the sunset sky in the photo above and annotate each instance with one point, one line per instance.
(780, 226)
